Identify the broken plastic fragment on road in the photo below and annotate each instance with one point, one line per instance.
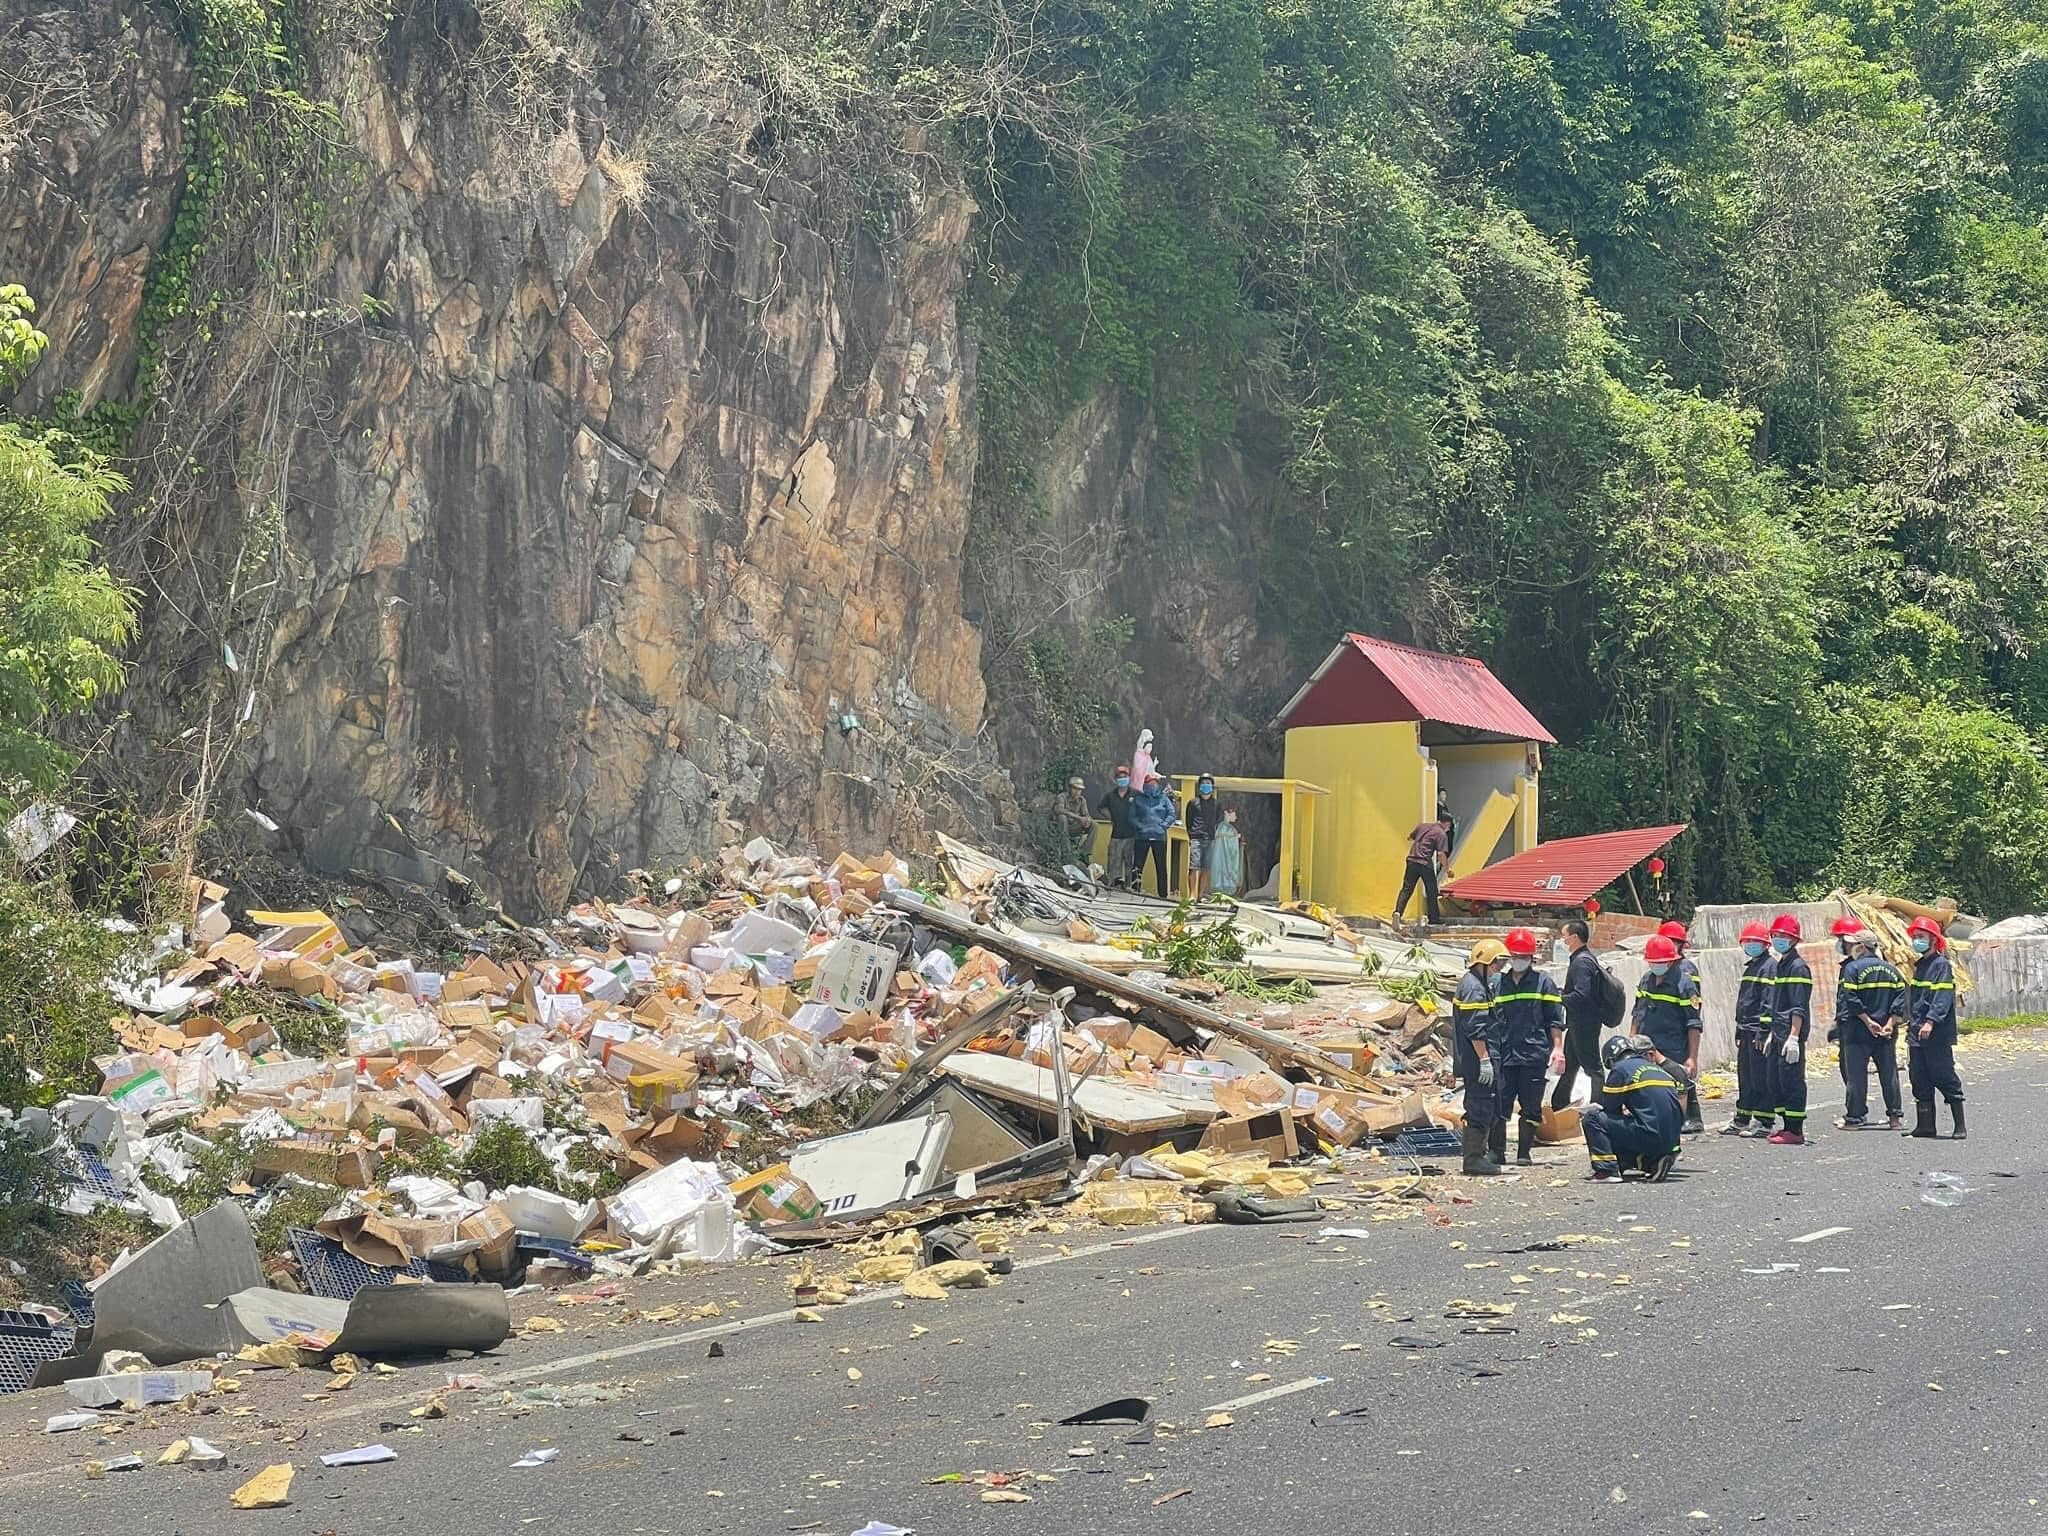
(540, 1456)
(1121, 1410)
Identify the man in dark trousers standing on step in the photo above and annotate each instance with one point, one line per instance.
(1791, 1016)
(1429, 849)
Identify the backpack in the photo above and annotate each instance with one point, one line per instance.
(1611, 1000)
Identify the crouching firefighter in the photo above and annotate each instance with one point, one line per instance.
(1473, 1035)
(1931, 1028)
(1636, 1120)
(1754, 1109)
(1528, 1036)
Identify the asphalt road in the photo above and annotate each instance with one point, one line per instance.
(1655, 1381)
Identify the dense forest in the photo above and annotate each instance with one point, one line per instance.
(1683, 357)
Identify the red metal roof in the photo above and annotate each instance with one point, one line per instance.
(1366, 681)
(1563, 873)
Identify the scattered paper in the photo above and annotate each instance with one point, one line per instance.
(538, 1457)
(361, 1456)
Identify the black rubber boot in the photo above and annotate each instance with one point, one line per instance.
(1476, 1160)
(1955, 1107)
(1497, 1141)
(1525, 1143)
(1923, 1118)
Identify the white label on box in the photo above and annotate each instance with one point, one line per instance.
(854, 975)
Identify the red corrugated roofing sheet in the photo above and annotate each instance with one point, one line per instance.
(1365, 681)
(1457, 690)
(1563, 873)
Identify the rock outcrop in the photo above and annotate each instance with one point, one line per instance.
(612, 523)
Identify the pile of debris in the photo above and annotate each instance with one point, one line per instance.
(651, 1052)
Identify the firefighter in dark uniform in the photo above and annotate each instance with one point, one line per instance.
(1754, 995)
(1635, 1120)
(1791, 1017)
(1667, 1011)
(1528, 1031)
(1931, 1028)
(1689, 971)
(1870, 1014)
(1472, 1040)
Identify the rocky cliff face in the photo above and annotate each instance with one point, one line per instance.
(611, 524)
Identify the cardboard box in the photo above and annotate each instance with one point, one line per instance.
(1150, 1044)
(386, 1242)
(239, 953)
(663, 1092)
(1352, 1051)
(775, 1194)
(1271, 1132)
(301, 976)
(1337, 1115)
(854, 975)
(1386, 1116)
(323, 1162)
(674, 1137)
(1560, 1126)
(309, 935)
(500, 1239)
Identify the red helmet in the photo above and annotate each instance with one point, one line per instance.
(1787, 925)
(1928, 926)
(1674, 931)
(1659, 948)
(1756, 931)
(1520, 941)
(1847, 927)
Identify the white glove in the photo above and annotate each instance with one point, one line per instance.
(1486, 1073)
(1791, 1051)
(1557, 1063)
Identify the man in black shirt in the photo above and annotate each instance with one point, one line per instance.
(1116, 810)
(1582, 993)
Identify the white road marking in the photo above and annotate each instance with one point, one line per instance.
(1286, 1390)
(1814, 1237)
(720, 1330)
(503, 1378)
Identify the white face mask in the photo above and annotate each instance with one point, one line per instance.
(1521, 963)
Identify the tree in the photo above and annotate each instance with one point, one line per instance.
(62, 616)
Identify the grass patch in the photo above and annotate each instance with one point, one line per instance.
(1969, 1026)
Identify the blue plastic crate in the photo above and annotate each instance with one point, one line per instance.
(1432, 1143)
(78, 1301)
(332, 1271)
(28, 1341)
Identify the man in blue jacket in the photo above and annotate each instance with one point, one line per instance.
(1636, 1120)
(1153, 814)
(1931, 1028)
(1870, 1013)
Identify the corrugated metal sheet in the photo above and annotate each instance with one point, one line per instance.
(1563, 873)
(1407, 683)
(1457, 690)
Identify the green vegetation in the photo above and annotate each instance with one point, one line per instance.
(1683, 357)
(61, 620)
